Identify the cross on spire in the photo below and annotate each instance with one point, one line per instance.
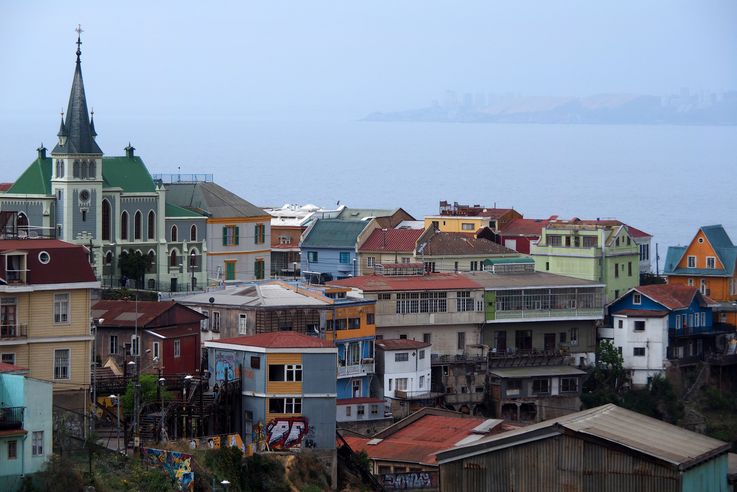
(79, 32)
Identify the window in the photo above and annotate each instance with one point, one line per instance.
(285, 372)
(177, 348)
(704, 289)
(134, 345)
(370, 261)
(259, 268)
(360, 410)
(345, 257)
(37, 443)
(385, 297)
(590, 241)
(401, 384)
(151, 226)
(174, 233)
(574, 336)
(137, 225)
(401, 357)
(12, 450)
(691, 262)
(348, 410)
(390, 384)
(629, 268)
(547, 266)
(285, 240)
(370, 319)
(285, 405)
(464, 302)
(204, 323)
(563, 337)
(638, 352)
(523, 339)
(193, 233)
(696, 323)
(429, 266)
(242, 324)
(173, 259)
(106, 220)
(403, 337)
(156, 350)
(514, 386)
(61, 364)
(540, 386)
(8, 358)
(636, 298)
(312, 256)
(374, 409)
(354, 323)
(474, 266)
(711, 262)
(639, 325)
(124, 226)
(465, 226)
(554, 241)
(678, 322)
(215, 321)
(690, 319)
(61, 308)
(644, 252)
(255, 362)
(422, 354)
(461, 340)
(113, 344)
(259, 233)
(568, 385)
(616, 270)
(231, 235)
(422, 381)
(427, 337)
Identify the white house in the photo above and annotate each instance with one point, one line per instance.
(403, 367)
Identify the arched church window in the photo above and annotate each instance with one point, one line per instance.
(151, 225)
(173, 258)
(173, 233)
(92, 171)
(137, 225)
(124, 225)
(109, 258)
(22, 223)
(193, 233)
(76, 170)
(106, 216)
(151, 267)
(59, 168)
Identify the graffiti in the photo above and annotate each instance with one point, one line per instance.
(413, 480)
(285, 433)
(225, 365)
(216, 442)
(309, 441)
(177, 465)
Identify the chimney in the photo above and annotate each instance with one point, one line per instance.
(41, 152)
(129, 151)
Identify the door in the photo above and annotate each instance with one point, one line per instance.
(229, 270)
(501, 341)
(173, 287)
(549, 342)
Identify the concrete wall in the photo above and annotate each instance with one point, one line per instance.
(328, 261)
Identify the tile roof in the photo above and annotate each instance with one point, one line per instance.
(420, 440)
(392, 240)
(358, 401)
(680, 448)
(124, 313)
(68, 263)
(430, 281)
(6, 368)
(436, 243)
(212, 199)
(333, 233)
(523, 227)
(279, 339)
(669, 295)
(400, 344)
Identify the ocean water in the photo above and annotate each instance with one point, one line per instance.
(666, 180)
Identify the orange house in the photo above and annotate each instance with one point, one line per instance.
(708, 263)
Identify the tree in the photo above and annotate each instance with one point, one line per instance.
(149, 392)
(607, 379)
(134, 265)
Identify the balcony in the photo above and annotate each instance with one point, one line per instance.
(526, 314)
(360, 369)
(13, 331)
(11, 418)
(416, 395)
(688, 331)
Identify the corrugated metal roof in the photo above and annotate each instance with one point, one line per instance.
(212, 199)
(528, 280)
(333, 233)
(678, 447)
(430, 281)
(278, 339)
(539, 371)
(400, 344)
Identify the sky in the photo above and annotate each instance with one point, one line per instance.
(223, 59)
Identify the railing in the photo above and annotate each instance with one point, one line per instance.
(716, 328)
(549, 313)
(354, 369)
(182, 178)
(27, 232)
(459, 358)
(413, 395)
(11, 418)
(13, 331)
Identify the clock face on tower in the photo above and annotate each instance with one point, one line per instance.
(84, 195)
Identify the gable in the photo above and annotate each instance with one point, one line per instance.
(627, 302)
(701, 248)
(35, 180)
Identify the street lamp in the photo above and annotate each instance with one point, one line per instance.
(116, 400)
(187, 385)
(192, 264)
(225, 484)
(96, 322)
(162, 381)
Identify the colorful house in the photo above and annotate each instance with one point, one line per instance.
(26, 425)
(469, 219)
(45, 295)
(708, 264)
(457, 251)
(654, 323)
(328, 249)
(603, 253)
(287, 384)
(377, 246)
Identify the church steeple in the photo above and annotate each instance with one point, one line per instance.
(80, 131)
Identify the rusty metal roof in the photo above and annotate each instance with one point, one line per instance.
(611, 425)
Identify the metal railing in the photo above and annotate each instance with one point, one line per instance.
(11, 418)
(13, 331)
(182, 178)
(353, 369)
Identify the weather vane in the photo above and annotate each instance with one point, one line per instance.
(79, 40)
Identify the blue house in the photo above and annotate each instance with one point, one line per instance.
(654, 323)
(328, 249)
(25, 425)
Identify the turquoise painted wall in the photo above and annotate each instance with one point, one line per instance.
(707, 477)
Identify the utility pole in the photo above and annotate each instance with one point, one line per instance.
(137, 387)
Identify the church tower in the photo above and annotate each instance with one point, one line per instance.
(76, 171)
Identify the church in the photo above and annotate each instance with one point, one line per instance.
(110, 204)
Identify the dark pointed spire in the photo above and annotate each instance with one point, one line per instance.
(79, 131)
(92, 123)
(62, 128)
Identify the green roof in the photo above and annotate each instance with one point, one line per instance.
(498, 261)
(364, 213)
(36, 180)
(128, 173)
(173, 211)
(334, 233)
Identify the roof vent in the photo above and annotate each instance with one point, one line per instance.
(129, 151)
(41, 152)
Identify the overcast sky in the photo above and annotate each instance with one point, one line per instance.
(219, 59)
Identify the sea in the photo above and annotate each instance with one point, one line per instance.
(665, 180)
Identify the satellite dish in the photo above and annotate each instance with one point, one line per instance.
(212, 300)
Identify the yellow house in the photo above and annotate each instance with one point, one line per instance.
(493, 218)
(45, 294)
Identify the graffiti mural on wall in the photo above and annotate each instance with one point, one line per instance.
(287, 432)
(412, 480)
(177, 465)
(226, 364)
(216, 442)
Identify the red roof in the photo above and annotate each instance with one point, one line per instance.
(278, 339)
(392, 240)
(419, 441)
(669, 295)
(400, 344)
(358, 401)
(429, 281)
(11, 368)
(5, 186)
(128, 313)
(524, 227)
(176, 331)
(67, 263)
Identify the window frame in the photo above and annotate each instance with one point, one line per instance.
(177, 348)
(37, 443)
(401, 357)
(12, 445)
(639, 352)
(62, 372)
(62, 308)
